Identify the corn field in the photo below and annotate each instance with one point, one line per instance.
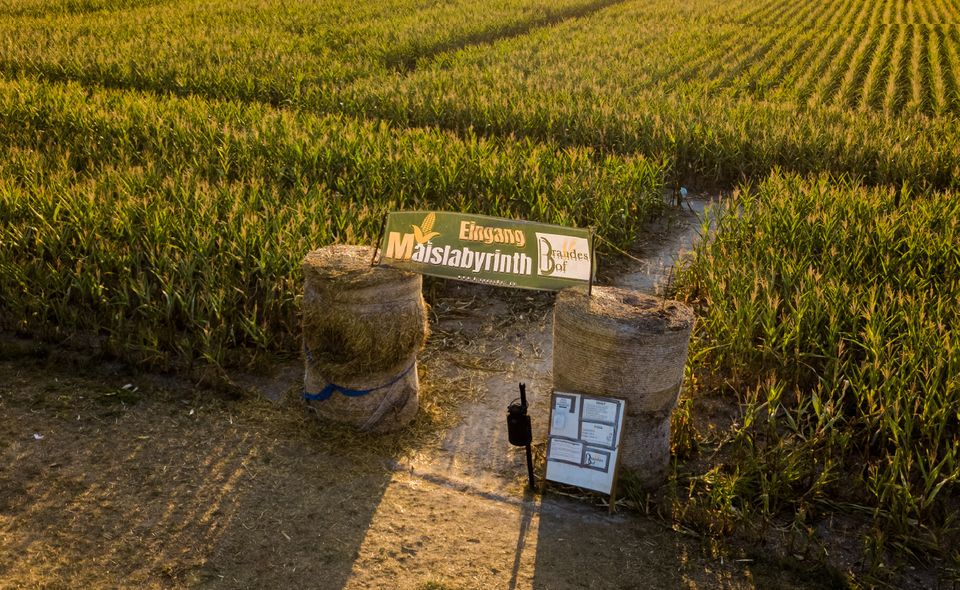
(723, 89)
(177, 225)
(829, 311)
(166, 164)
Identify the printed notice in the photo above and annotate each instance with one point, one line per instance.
(565, 450)
(597, 434)
(596, 459)
(566, 417)
(598, 410)
(584, 440)
(565, 403)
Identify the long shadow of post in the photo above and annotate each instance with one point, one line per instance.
(527, 511)
(584, 547)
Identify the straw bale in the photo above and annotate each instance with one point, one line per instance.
(645, 447)
(359, 319)
(621, 343)
(363, 326)
(625, 344)
(383, 410)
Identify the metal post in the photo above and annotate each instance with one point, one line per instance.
(520, 431)
(376, 246)
(523, 403)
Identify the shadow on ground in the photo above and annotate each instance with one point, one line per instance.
(102, 486)
(575, 550)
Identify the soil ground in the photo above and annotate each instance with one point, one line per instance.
(173, 486)
(113, 478)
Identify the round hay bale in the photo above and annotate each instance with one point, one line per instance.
(359, 319)
(362, 328)
(625, 344)
(621, 343)
(645, 448)
(391, 400)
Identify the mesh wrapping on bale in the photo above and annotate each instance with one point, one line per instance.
(646, 447)
(362, 329)
(625, 344)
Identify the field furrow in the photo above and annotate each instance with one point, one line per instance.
(874, 83)
(898, 73)
(951, 42)
(938, 77)
(824, 87)
(815, 75)
(406, 58)
(918, 97)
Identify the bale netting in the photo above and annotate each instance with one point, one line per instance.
(362, 328)
(646, 447)
(625, 344)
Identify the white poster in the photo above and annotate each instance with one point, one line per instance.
(584, 439)
(598, 410)
(563, 256)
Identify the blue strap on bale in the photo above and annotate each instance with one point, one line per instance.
(331, 388)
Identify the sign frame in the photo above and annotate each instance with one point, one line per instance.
(568, 470)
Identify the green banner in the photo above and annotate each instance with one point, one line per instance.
(488, 250)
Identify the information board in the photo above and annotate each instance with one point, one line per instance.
(584, 440)
(488, 250)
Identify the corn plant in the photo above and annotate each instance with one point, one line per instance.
(830, 311)
(173, 228)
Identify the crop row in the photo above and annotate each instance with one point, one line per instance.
(723, 89)
(628, 79)
(267, 50)
(177, 225)
(830, 311)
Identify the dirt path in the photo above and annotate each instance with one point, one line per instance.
(114, 479)
(513, 344)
